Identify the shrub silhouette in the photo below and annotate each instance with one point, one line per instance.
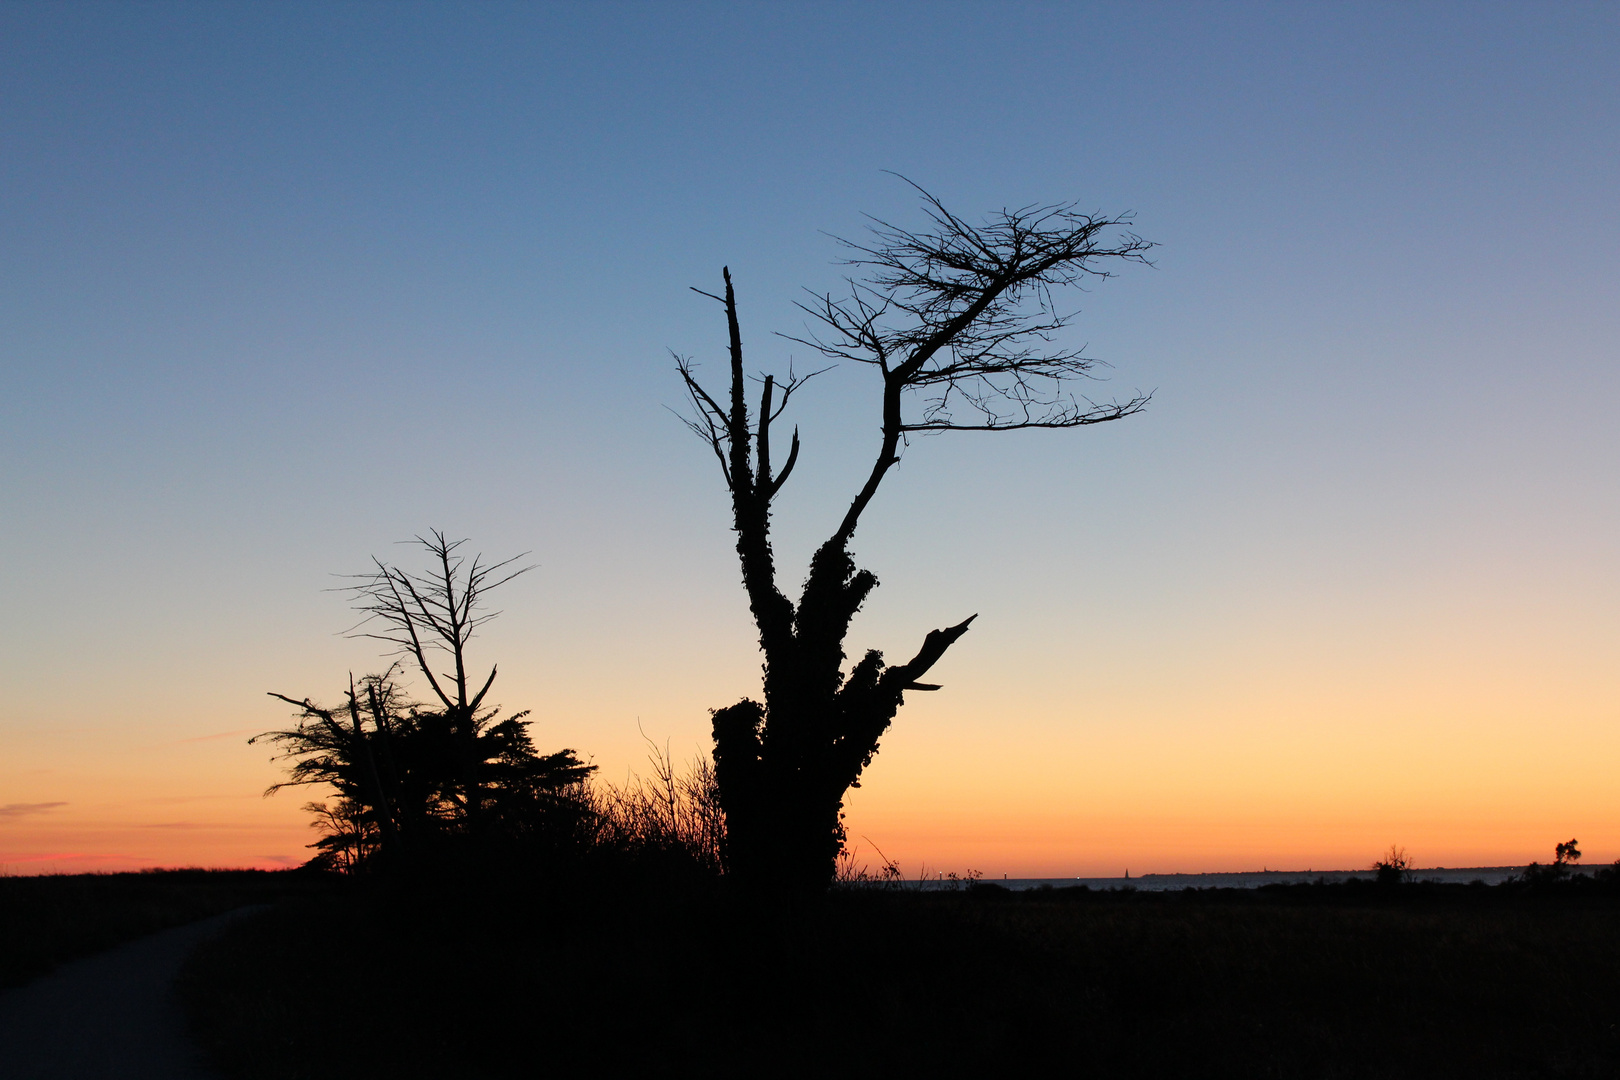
(397, 769)
(671, 819)
(1394, 868)
(1565, 856)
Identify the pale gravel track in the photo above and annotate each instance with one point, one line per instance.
(114, 1016)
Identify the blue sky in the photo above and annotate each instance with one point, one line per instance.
(281, 285)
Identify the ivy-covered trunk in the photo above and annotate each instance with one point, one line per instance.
(964, 316)
(784, 766)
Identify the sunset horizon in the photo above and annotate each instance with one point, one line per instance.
(289, 287)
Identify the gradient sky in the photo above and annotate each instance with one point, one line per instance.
(282, 285)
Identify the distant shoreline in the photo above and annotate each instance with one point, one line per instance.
(1247, 879)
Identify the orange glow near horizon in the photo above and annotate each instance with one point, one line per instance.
(1246, 773)
(81, 803)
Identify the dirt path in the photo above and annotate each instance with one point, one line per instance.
(108, 1017)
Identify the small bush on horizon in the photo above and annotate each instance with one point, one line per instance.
(1394, 867)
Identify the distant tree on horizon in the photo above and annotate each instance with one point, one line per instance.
(1394, 867)
(957, 322)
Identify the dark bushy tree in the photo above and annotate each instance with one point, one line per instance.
(1566, 856)
(957, 321)
(412, 779)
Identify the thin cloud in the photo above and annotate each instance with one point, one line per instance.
(23, 809)
(178, 825)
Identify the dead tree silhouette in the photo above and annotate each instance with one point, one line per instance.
(962, 317)
(432, 616)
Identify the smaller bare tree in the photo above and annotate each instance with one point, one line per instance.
(430, 618)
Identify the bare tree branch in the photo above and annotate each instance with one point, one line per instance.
(432, 615)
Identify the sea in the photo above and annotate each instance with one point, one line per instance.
(1249, 879)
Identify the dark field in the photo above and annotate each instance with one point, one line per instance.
(46, 921)
(1301, 981)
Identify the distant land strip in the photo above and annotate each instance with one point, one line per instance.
(1246, 879)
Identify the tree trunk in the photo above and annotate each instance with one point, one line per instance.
(782, 768)
(783, 828)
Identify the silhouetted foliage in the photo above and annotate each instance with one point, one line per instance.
(957, 321)
(1565, 856)
(1395, 867)
(413, 780)
(398, 772)
(672, 819)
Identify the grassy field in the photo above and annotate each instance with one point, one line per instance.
(48, 920)
(1305, 981)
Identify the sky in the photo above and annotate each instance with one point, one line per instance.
(282, 286)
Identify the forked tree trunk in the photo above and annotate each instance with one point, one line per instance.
(962, 314)
(784, 767)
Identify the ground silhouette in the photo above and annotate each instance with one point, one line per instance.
(628, 974)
